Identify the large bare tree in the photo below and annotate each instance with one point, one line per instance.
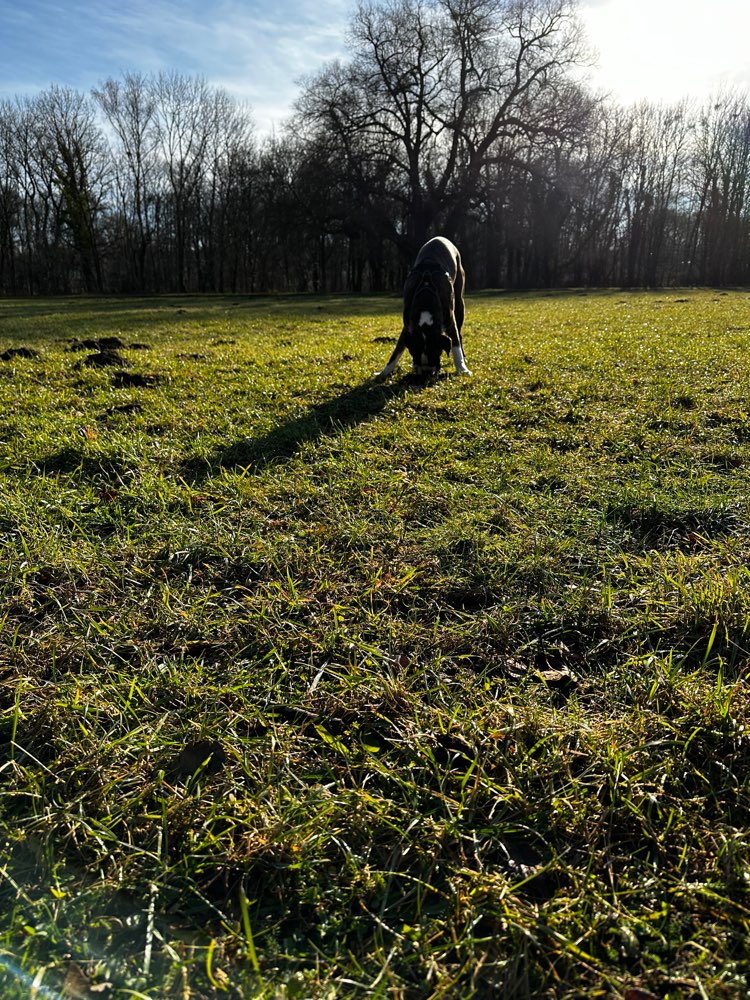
(432, 93)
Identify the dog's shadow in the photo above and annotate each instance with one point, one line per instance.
(322, 420)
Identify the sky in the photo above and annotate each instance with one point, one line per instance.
(668, 49)
(258, 50)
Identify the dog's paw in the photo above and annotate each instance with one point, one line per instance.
(459, 361)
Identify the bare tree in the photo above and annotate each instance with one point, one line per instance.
(10, 200)
(225, 192)
(654, 167)
(129, 107)
(433, 91)
(185, 123)
(720, 242)
(72, 150)
(37, 237)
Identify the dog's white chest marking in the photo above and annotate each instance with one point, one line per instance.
(426, 318)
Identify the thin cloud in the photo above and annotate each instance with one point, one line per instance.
(254, 51)
(259, 52)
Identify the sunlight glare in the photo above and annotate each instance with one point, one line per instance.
(668, 49)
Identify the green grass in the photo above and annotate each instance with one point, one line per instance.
(317, 687)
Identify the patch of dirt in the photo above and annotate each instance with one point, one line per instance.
(18, 352)
(134, 380)
(104, 359)
(97, 344)
(206, 756)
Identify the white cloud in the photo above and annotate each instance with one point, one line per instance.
(259, 54)
(255, 50)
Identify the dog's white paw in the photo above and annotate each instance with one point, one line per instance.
(459, 361)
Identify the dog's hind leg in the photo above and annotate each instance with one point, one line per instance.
(456, 321)
(394, 358)
(458, 295)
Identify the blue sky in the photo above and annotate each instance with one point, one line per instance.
(257, 49)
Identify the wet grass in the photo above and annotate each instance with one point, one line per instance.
(313, 686)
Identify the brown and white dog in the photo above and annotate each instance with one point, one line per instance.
(433, 310)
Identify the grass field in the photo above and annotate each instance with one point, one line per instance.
(315, 687)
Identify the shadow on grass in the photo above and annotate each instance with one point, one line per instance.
(72, 460)
(322, 420)
(670, 522)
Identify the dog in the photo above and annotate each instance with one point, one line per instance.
(433, 311)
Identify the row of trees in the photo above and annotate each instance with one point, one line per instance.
(455, 116)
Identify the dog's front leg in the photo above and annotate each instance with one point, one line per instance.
(398, 350)
(457, 350)
(457, 353)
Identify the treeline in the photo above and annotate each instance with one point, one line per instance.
(457, 116)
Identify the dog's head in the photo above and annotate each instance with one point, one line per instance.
(426, 340)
